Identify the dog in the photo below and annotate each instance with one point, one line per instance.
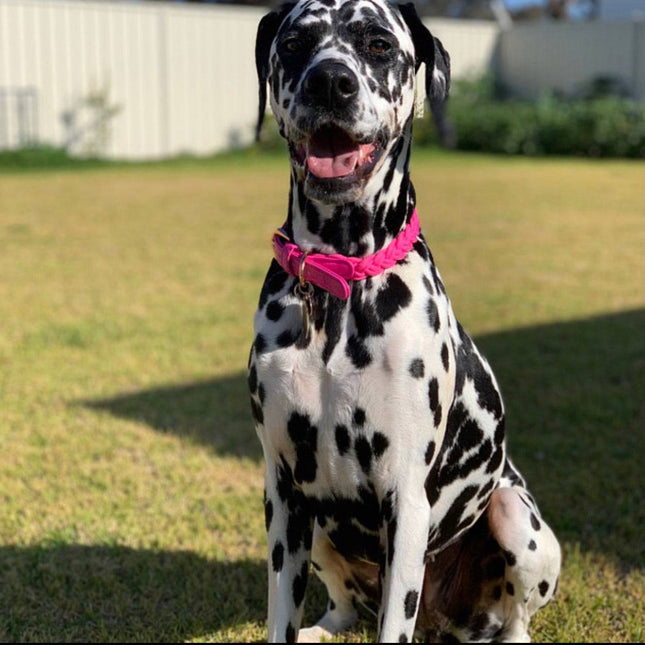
(382, 426)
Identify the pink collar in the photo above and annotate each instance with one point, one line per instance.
(332, 272)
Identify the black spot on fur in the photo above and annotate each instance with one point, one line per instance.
(410, 603)
(285, 480)
(259, 343)
(433, 315)
(387, 506)
(470, 434)
(285, 338)
(433, 393)
(495, 460)
(290, 636)
(342, 439)
(253, 379)
(417, 368)
(300, 585)
(357, 352)
(313, 217)
(367, 320)
(256, 410)
(430, 452)
(379, 444)
(510, 558)
(268, 514)
(274, 281)
(363, 453)
(333, 318)
(535, 523)
(395, 295)
(470, 365)
(298, 427)
(277, 557)
(499, 432)
(452, 522)
(532, 545)
(305, 438)
(359, 417)
(274, 310)
(510, 589)
(486, 489)
(297, 527)
(445, 357)
(437, 415)
(497, 592)
(403, 638)
(391, 534)
(543, 588)
(420, 247)
(306, 465)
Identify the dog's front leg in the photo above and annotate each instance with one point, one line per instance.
(406, 525)
(289, 537)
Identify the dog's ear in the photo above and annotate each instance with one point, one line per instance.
(267, 30)
(430, 51)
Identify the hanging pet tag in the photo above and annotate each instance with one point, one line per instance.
(305, 290)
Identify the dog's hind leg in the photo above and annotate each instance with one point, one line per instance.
(532, 555)
(488, 584)
(338, 577)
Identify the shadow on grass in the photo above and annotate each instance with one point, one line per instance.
(103, 593)
(575, 398)
(215, 413)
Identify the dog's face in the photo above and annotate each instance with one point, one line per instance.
(341, 76)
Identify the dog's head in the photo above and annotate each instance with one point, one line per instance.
(341, 75)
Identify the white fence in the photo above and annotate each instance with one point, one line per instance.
(567, 56)
(138, 80)
(126, 79)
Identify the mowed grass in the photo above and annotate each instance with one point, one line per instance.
(130, 475)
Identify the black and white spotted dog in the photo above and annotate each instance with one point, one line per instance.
(382, 425)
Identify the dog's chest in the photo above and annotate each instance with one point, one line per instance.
(344, 407)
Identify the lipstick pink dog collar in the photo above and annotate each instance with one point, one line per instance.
(333, 272)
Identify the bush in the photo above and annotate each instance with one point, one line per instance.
(600, 126)
(42, 156)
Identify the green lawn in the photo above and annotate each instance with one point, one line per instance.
(130, 475)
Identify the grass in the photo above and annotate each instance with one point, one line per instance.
(130, 476)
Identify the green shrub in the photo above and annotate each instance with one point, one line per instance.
(42, 156)
(600, 126)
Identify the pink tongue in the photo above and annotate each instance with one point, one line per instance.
(331, 152)
(329, 165)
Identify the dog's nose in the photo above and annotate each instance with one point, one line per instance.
(331, 84)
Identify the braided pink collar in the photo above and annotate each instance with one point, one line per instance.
(332, 272)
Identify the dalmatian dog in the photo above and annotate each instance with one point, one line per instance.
(382, 425)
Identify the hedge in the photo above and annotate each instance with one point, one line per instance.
(597, 126)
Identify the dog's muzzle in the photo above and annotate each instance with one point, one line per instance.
(336, 159)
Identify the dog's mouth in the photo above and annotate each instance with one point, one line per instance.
(332, 153)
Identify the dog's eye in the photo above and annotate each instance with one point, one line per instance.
(378, 46)
(292, 45)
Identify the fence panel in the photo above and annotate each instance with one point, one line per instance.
(129, 80)
(567, 57)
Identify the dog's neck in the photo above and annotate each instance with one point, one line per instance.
(361, 227)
